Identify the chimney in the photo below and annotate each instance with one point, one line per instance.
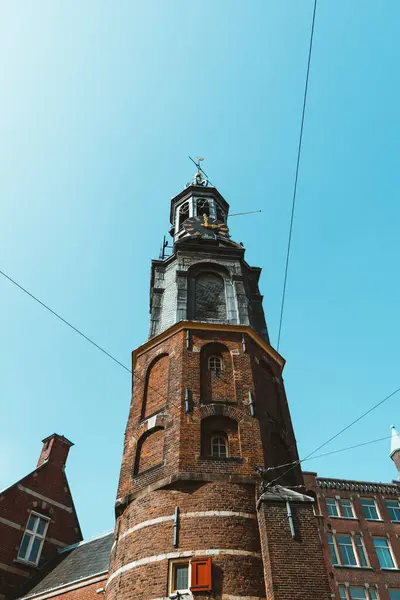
(395, 448)
(55, 449)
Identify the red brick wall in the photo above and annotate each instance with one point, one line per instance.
(188, 477)
(15, 506)
(156, 388)
(215, 387)
(294, 567)
(358, 525)
(150, 450)
(210, 426)
(232, 574)
(86, 592)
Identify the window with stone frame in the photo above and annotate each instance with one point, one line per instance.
(183, 213)
(210, 300)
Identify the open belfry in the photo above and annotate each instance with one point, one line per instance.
(208, 416)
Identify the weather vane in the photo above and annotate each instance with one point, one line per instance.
(198, 178)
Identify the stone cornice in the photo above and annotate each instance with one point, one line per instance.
(197, 325)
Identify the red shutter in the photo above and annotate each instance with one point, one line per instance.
(201, 575)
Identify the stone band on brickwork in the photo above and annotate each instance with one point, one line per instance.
(186, 554)
(188, 515)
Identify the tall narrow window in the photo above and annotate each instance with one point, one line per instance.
(383, 553)
(393, 507)
(369, 509)
(179, 576)
(347, 509)
(342, 592)
(202, 207)
(332, 550)
(215, 365)
(361, 551)
(332, 508)
(346, 551)
(32, 541)
(183, 214)
(219, 446)
(220, 214)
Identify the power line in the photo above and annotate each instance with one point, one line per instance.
(297, 174)
(387, 437)
(78, 331)
(296, 463)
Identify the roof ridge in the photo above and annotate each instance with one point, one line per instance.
(83, 542)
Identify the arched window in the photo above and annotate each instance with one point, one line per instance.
(150, 450)
(183, 214)
(219, 437)
(219, 446)
(220, 214)
(156, 386)
(215, 365)
(210, 301)
(202, 207)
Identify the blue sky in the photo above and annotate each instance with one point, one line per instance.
(100, 105)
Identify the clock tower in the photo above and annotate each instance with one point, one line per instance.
(209, 409)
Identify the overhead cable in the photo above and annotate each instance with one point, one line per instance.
(296, 175)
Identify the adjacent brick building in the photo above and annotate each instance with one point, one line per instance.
(37, 518)
(359, 523)
(205, 506)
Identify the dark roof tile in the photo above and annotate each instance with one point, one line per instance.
(79, 561)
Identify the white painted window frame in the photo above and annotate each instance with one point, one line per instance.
(171, 572)
(32, 533)
(378, 512)
(338, 502)
(355, 550)
(225, 438)
(366, 588)
(389, 545)
(388, 509)
(215, 356)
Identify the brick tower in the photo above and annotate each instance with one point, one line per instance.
(208, 407)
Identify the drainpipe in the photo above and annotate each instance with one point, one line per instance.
(251, 403)
(290, 517)
(176, 526)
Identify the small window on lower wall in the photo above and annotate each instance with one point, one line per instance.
(179, 577)
(358, 592)
(189, 575)
(394, 594)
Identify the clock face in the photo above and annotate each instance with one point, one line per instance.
(206, 227)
